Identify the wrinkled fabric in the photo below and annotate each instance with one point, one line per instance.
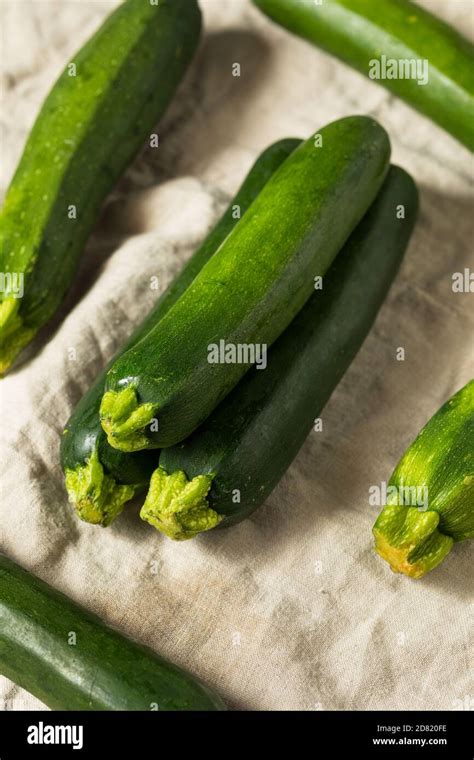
(290, 609)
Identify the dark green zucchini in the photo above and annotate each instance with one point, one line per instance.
(430, 504)
(100, 479)
(386, 38)
(71, 660)
(250, 290)
(93, 122)
(228, 467)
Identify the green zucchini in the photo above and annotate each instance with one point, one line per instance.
(430, 496)
(250, 290)
(93, 122)
(70, 660)
(228, 467)
(100, 479)
(389, 38)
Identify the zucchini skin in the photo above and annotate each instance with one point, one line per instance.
(415, 540)
(250, 290)
(357, 31)
(253, 436)
(89, 128)
(100, 491)
(102, 671)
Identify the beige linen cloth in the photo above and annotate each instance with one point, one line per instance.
(290, 609)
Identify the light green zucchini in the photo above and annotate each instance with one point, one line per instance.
(430, 504)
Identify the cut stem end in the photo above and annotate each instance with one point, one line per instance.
(125, 420)
(97, 498)
(177, 506)
(409, 539)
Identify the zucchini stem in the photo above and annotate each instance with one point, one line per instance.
(96, 496)
(124, 419)
(177, 506)
(441, 461)
(410, 540)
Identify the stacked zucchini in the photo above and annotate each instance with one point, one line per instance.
(212, 440)
(228, 467)
(99, 478)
